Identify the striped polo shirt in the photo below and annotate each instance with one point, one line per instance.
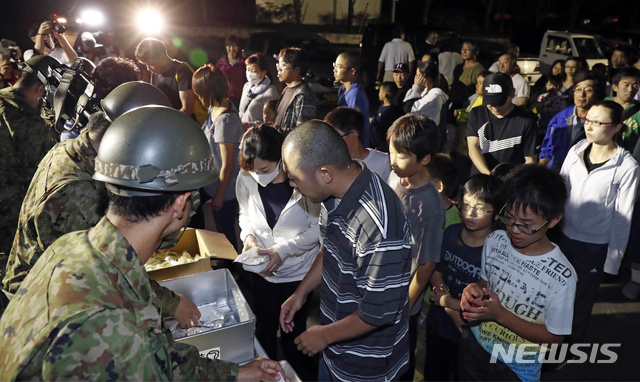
(366, 241)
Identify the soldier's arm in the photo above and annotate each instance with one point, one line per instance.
(109, 345)
(165, 300)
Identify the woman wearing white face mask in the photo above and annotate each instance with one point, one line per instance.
(256, 91)
(282, 224)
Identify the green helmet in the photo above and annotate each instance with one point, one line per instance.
(154, 149)
(39, 65)
(130, 95)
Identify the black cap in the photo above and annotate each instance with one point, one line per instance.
(496, 89)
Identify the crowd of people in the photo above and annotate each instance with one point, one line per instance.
(503, 206)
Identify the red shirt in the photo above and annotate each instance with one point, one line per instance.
(236, 77)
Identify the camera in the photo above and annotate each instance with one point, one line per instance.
(70, 98)
(9, 49)
(57, 27)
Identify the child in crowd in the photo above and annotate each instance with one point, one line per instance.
(413, 143)
(462, 115)
(349, 123)
(442, 171)
(550, 103)
(269, 111)
(527, 286)
(502, 170)
(460, 262)
(346, 70)
(387, 114)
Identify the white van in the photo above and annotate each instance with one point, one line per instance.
(560, 45)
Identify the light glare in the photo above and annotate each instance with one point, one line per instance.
(150, 22)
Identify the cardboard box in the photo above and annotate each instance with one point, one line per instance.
(210, 245)
(232, 343)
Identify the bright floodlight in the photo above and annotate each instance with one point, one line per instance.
(150, 22)
(92, 17)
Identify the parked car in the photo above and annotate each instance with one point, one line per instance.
(560, 45)
(322, 55)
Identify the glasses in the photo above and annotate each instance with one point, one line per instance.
(521, 227)
(282, 66)
(340, 67)
(570, 67)
(479, 210)
(594, 123)
(587, 90)
(345, 134)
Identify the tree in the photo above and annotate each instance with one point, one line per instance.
(541, 9)
(425, 12)
(350, 14)
(576, 5)
(487, 14)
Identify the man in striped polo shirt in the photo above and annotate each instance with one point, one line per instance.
(364, 263)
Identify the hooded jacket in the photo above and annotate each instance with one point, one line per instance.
(600, 203)
(430, 102)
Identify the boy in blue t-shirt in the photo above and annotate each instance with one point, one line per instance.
(387, 114)
(460, 260)
(527, 286)
(413, 142)
(351, 93)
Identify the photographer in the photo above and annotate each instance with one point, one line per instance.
(49, 42)
(24, 141)
(9, 56)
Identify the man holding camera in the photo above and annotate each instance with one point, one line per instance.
(24, 141)
(50, 40)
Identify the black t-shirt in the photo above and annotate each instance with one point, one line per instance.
(460, 266)
(170, 86)
(274, 198)
(587, 160)
(503, 140)
(398, 99)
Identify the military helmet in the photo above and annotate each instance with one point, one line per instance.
(39, 65)
(131, 95)
(154, 149)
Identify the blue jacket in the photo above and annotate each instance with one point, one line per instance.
(558, 138)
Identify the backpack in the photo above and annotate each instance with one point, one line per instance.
(201, 112)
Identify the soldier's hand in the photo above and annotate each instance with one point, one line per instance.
(261, 370)
(187, 313)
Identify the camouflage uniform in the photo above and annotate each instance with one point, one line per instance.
(63, 198)
(24, 141)
(85, 312)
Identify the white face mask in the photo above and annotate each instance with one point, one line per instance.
(265, 179)
(253, 78)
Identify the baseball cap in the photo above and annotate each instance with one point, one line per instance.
(496, 89)
(401, 67)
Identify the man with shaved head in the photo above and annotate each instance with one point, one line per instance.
(364, 262)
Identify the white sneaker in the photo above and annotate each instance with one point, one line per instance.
(631, 290)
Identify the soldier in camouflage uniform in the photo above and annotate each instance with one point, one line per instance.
(24, 141)
(63, 197)
(85, 311)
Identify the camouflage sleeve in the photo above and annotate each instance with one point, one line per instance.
(110, 346)
(165, 299)
(76, 207)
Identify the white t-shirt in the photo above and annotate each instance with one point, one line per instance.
(521, 86)
(447, 62)
(396, 51)
(378, 162)
(57, 52)
(539, 289)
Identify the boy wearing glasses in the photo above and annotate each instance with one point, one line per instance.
(413, 143)
(527, 286)
(351, 94)
(460, 261)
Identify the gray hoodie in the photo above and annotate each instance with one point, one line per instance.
(600, 203)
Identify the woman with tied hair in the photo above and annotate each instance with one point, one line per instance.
(601, 179)
(224, 131)
(282, 225)
(256, 91)
(232, 65)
